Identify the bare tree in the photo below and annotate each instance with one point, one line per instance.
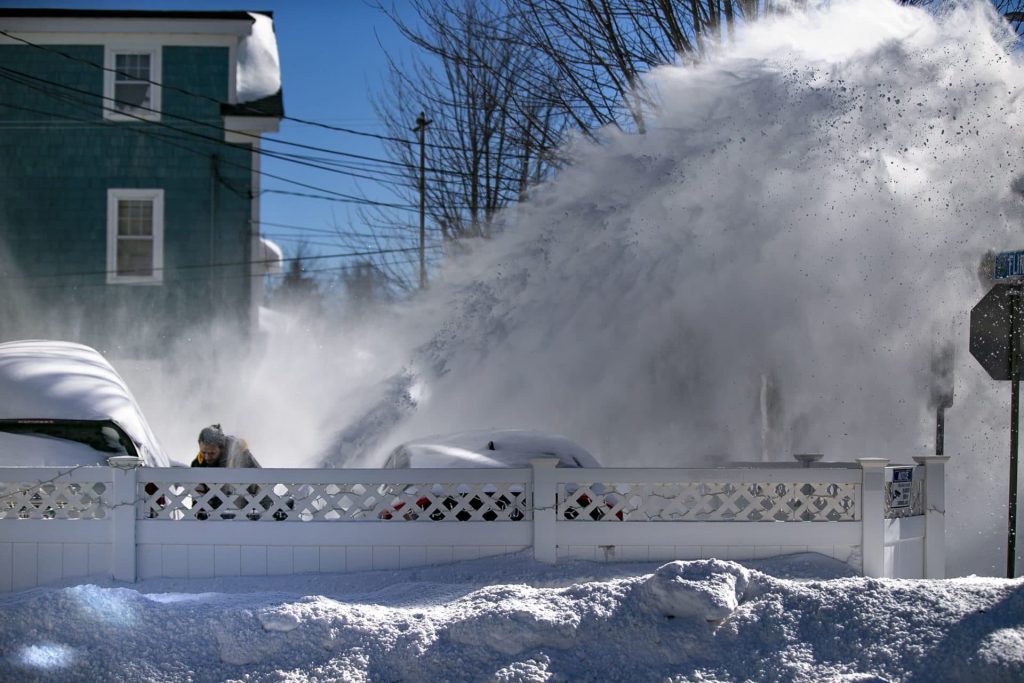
(494, 125)
(504, 80)
(298, 290)
(600, 50)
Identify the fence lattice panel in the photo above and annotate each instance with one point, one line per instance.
(54, 500)
(337, 502)
(708, 502)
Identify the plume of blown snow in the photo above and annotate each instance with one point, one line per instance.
(767, 270)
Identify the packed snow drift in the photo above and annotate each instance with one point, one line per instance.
(510, 619)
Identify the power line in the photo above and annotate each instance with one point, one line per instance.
(338, 196)
(243, 105)
(325, 231)
(219, 278)
(284, 156)
(341, 239)
(223, 264)
(208, 138)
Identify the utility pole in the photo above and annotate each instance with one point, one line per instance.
(421, 128)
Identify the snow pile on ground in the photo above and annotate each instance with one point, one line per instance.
(510, 619)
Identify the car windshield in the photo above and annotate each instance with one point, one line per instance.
(101, 435)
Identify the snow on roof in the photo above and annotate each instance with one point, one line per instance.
(259, 68)
(58, 380)
(271, 257)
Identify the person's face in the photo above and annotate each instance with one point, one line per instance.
(210, 452)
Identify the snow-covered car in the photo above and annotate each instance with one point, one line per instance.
(487, 448)
(62, 404)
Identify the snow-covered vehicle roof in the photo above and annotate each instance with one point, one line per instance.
(488, 448)
(62, 403)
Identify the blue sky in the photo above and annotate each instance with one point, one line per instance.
(331, 60)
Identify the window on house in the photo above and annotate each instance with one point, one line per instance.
(135, 236)
(130, 84)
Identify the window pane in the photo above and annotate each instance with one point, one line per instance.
(135, 257)
(135, 217)
(131, 67)
(131, 96)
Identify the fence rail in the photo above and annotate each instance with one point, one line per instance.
(130, 521)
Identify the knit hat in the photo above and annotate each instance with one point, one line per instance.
(213, 436)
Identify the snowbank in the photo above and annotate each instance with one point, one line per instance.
(510, 619)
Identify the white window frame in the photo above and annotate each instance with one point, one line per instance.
(114, 197)
(155, 76)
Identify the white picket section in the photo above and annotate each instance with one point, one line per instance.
(54, 525)
(132, 522)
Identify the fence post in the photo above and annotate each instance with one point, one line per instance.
(872, 517)
(545, 491)
(125, 473)
(934, 515)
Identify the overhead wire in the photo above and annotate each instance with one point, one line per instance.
(324, 231)
(244, 106)
(16, 76)
(276, 154)
(223, 264)
(338, 196)
(223, 277)
(219, 128)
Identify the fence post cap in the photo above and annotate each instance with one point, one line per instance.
(927, 459)
(543, 462)
(807, 459)
(872, 463)
(125, 462)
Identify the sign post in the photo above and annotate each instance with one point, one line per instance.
(996, 328)
(941, 398)
(1011, 538)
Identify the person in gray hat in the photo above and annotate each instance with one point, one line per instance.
(217, 449)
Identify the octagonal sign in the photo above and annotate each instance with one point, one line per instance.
(991, 321)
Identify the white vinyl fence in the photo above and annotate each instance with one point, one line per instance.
(134, 522)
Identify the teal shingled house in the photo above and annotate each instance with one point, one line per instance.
(129, 175)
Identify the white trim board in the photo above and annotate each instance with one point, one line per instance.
(43, 26)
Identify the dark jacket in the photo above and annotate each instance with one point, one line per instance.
(236, 453)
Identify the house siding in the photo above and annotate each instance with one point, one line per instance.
(56, 165)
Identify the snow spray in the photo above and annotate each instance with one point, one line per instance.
(765, 271)
(768, 269)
